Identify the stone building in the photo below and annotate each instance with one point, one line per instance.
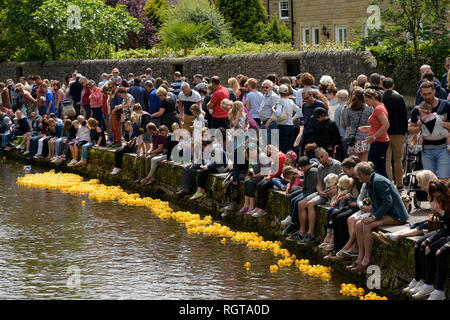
(316, 21)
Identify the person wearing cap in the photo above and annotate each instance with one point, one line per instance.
(285, 127)
(327, 134)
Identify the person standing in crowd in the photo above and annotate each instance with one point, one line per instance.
(342, 98)
(435, 156)
(219, 114)
(441, 93)
(114, 100)
(49, 100)
(103, 81)
(186, 99)
(378, 126)
(327, 134)
(398, 126)
(270, 98)
(308, 107)
(176, 85)
(285, 126)
(85, 101)
(60, 95)
(444, 81)
(166, 114)
(96, 102)
(375, 83)
(75, 89)
(387, 210)
(148, 77)
(253, 100)
(139, 94)
(307, 80)
(199, 83)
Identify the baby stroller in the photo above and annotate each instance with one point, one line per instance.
(412, 164)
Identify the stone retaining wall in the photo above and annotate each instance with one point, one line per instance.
(396, 262)
(342, 65)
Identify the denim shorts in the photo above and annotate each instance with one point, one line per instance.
(318, 200)
(420, 225)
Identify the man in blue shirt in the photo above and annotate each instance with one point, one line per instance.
(49, 100)
(139, 94)
(153, 101)
(176, 86)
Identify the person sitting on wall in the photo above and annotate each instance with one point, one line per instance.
(387, 209)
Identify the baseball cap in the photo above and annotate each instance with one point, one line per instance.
(318, 112)
(115, 70)
(283, 89)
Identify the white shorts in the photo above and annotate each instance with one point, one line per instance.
(359, 214)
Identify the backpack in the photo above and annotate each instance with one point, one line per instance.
(232, 94)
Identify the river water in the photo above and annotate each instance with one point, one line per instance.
(51, 247)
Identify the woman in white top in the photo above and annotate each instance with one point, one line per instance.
(285, 126)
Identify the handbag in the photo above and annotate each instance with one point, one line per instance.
(67, 108)
(434, 223)
(350, 142)
(283, 116)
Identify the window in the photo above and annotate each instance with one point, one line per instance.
(341, 35)
(306, 36)
(315, 36)
(283, 7)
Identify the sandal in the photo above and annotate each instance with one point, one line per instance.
(323, 245)
(351, 266)
(329, 247)
(149, 182)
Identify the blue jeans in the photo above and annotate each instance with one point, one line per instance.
(273, 125)
(85, 150)
(437, 161)
(279, 182)
(295, 198)
(57, 143)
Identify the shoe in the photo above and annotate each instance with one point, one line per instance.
(225, 213)
(116, 171)
(252, 211)
(295, 237)
(38, 157)
(424, 291)
(329, 247)
(197, 195)
(349, 254)
(416, 287)
(259, 214)
(230, 207)
(26, 152)
(286, 221)
(72, 162)
(19, 147)
(437, 295)
(306, 239)
(249, 211)
(352, 265)
(59, 161)
(330, 256)
(323, 245)
(276, 187)
(182, 192)
(383, 237)
(243, 210)
(291, 229)
(411, 285)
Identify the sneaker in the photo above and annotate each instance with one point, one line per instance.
(416, 288)
(291, 229)
(225, 213)
(259, 214)
(383, 238)
(116, 171)
(26, 152)
(230, 207)
(286, 221)
(276, 187)
(38, 156)
(437, 295)
(295, 237)
(72, 162)
(424, 291)
(306, 239)
(411, 285)
(249, 211)
(197, 195)
(59, 161)
(19, 147)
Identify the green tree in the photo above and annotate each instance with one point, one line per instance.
(156, 11)
(185, 36)
(275, 31)
(201, 13)
(245, 17)
(91, 35)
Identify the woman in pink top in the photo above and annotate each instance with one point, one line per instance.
(60, 95)
(378, 137)
(96, 102)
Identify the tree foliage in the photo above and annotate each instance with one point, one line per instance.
(156, 11)
(194, 23)
(99, 26)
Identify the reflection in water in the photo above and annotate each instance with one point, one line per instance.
(126, 253)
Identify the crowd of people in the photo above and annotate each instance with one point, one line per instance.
(317, 144)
